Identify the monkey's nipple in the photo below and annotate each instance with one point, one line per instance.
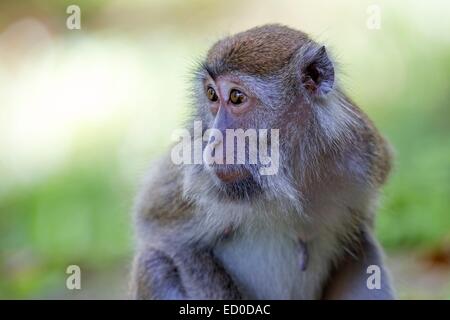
(303, 255)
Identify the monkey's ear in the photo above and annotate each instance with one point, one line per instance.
(317, 71)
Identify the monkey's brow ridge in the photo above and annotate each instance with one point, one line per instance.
(205, 66)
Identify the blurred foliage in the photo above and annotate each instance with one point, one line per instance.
(80, 215)
(77, 210)
(415, 207)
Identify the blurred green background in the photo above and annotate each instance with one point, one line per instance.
(82, 113)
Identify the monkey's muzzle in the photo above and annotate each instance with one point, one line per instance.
(228, 175)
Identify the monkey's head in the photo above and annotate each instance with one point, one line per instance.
(269, 77)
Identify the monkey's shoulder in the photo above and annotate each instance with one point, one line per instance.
(382, 161)
(380, 154)
(160, 199)
(377, 150)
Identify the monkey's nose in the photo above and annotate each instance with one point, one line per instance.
(215, 142)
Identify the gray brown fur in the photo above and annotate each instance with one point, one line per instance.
(333, 163)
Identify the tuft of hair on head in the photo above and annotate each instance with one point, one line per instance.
(259, 51)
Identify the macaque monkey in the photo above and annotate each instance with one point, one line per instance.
(227, 231)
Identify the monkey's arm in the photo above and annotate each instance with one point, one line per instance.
(167, 265)
(349, 279)
(190, 274)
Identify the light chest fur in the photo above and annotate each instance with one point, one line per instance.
(264, 255)
(266, 261)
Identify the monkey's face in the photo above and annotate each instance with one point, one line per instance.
(249, 94)
(240, 131)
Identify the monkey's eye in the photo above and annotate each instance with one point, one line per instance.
(237, 97)
(211, 94)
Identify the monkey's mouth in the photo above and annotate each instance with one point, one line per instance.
(236, 182)
(227, 175)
